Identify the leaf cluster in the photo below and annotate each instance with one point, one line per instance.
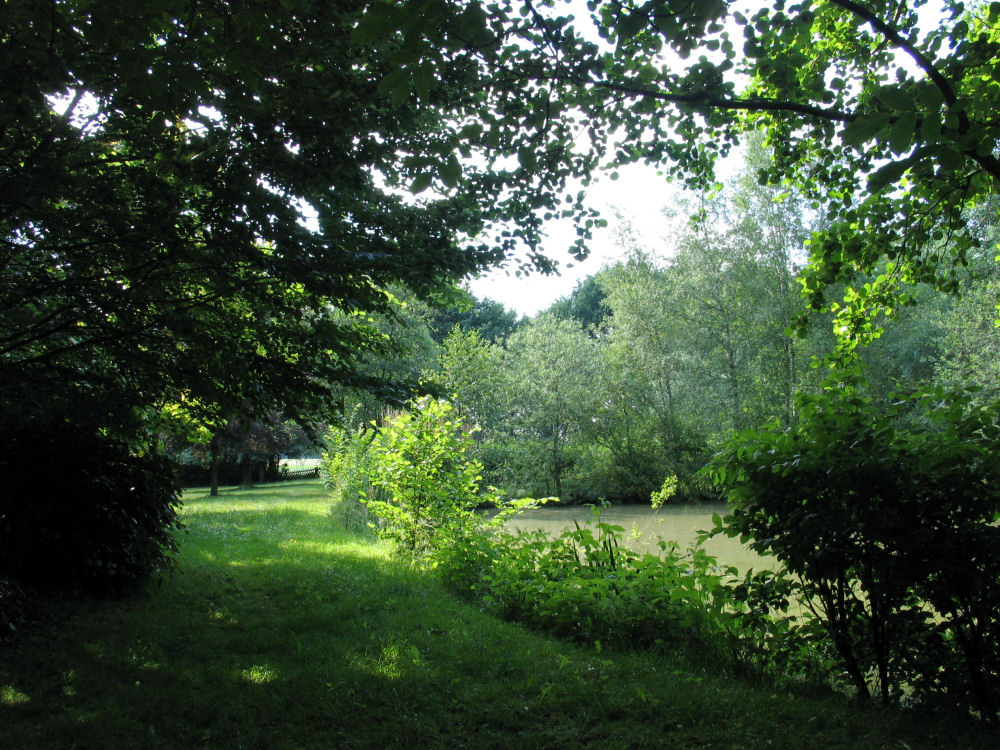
(889, 519)
(586, 585)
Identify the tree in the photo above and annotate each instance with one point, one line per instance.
(969, 344)
(649, 375)
(200, 203)
(551, 369)
(585, 304)
(889, 521)
(488, 317)
(885, 119)
(470, 373)
(158, 159)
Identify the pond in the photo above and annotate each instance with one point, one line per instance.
(644, 527)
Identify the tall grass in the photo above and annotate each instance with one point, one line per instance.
(276, 630)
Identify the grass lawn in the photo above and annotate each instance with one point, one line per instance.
(278, 631)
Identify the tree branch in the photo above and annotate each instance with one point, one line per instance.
(892, 35)
(706, 100)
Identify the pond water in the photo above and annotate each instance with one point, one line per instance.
(644, 527)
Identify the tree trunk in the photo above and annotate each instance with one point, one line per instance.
(246, 480)
(213, 470)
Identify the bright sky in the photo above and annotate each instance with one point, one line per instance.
(639, 194)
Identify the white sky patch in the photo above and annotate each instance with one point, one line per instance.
(639, 196)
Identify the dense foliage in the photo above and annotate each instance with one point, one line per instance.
(588, 586)
(889, 519)
(690, 344)
(346, 469)
(431, 489)
(218, 213)
(199, 205)
(415, 479)
(80, 512)
(420, 491)
(880, 112)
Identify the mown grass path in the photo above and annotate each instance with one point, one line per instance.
(278, 631)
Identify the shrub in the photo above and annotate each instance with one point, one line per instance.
(79, 512)
(587, 586)
(889, 517)
(431, 488)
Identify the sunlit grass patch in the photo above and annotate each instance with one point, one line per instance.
(258, 674)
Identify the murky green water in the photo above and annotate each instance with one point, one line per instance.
(644, 527)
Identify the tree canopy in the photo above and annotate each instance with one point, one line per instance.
(882, 113)
(201, 202)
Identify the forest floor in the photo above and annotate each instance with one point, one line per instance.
(276, 630)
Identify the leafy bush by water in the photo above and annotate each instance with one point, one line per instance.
(411, 480)
(889, 517)
(587, 586)
(418, 489)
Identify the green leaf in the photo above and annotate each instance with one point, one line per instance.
(374, 26)
(424, 80)
(451, 171)
(631, 25)
(421, 183)
(863, 128)
(398, 79)
(902, 132)
(887, 174)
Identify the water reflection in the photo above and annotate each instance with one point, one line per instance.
(645, 527)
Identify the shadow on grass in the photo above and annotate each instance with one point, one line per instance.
(277, 631)
(262, 656)
(284, 643)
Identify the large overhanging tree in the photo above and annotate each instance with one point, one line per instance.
(154, 158)
(882, 112)
(199, 202)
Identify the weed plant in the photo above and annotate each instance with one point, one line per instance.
(587, 586)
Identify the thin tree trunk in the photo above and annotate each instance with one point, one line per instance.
(246, 480)
(213, 470)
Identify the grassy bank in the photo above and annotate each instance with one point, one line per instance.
(277, 631)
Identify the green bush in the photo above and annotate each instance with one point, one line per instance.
(80, 512)
(415, 479)
(889, 518)
(586, 586)
(429, 489)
